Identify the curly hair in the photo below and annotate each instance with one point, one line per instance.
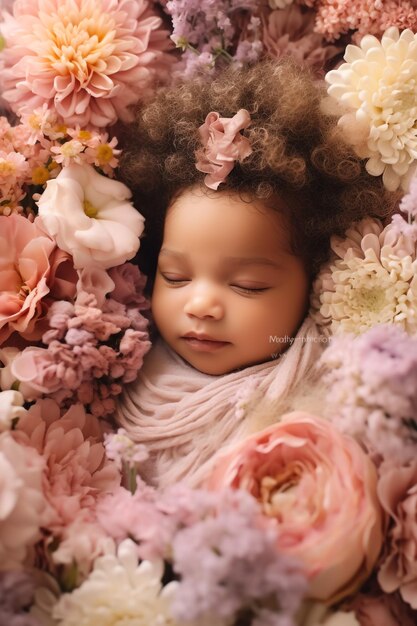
(298, 155)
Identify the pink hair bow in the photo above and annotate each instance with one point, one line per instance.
(223, 145)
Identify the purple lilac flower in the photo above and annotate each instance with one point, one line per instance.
(16, 595)
(229, 561)
(220, 31)
(405, 222)
(372, 380)
(220, 546)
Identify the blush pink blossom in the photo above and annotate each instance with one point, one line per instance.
(397, 491)
(33, 274)
(77, 470)
(88, 59)
(223, 145)
(22, 502)
(318, 487)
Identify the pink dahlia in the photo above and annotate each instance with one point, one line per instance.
(33, 273)
(77, 470)
(90, 59)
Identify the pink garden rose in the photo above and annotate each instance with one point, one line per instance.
(33, 273)
(319, 488)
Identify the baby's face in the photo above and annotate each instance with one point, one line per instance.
(228, 293)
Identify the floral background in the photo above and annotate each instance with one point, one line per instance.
(329, 537)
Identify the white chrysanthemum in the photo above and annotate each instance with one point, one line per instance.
(119, 592)
(378, 86)
(371, 279)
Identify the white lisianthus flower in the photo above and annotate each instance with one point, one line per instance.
(11, 408)
(118, 592)
(377, 87)
(90, 217)
(371, 279)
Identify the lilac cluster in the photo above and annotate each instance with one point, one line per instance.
(90, 350)
(213, 33)
(94, 351)
(220, 547)
(16, 595)
(372, 381)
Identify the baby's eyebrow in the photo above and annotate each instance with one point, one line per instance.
(232, 260)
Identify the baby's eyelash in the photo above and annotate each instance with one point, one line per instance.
(250, 289)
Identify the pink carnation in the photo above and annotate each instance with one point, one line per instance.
(77, 471)
(22, 502)
(397, 491)
(88, 59)
(33, 273)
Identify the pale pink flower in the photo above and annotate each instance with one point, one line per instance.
(13, 168)
(82, 541)
(318, 487)
(223, 146)
(68, 152)
(129, 284)
(77, 470)
(104, 155)
(22, 503)
(371, 278)
(397, 491)
(88, 59)
(33, 273)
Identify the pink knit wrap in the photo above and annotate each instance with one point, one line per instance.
(184, 416)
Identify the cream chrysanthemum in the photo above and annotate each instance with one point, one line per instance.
(87, 59)
(119, 592)
(371, 279)
(377, 88)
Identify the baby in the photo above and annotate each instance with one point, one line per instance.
(242, 182)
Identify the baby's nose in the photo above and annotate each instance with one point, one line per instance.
(204, 303)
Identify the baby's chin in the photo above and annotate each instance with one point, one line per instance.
(217, 367)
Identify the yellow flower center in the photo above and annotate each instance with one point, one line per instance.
(89, 209)
(6, 168)
(84, 135)
(104, 153)
(40, 175)
(369, 299)
(34, 121)
(276, 490)
(79, 39)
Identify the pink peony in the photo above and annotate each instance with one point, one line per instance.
(33, 273)
(319, 488)
(397, 491)
(88, 59)
(22, 503)
(77, 470)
